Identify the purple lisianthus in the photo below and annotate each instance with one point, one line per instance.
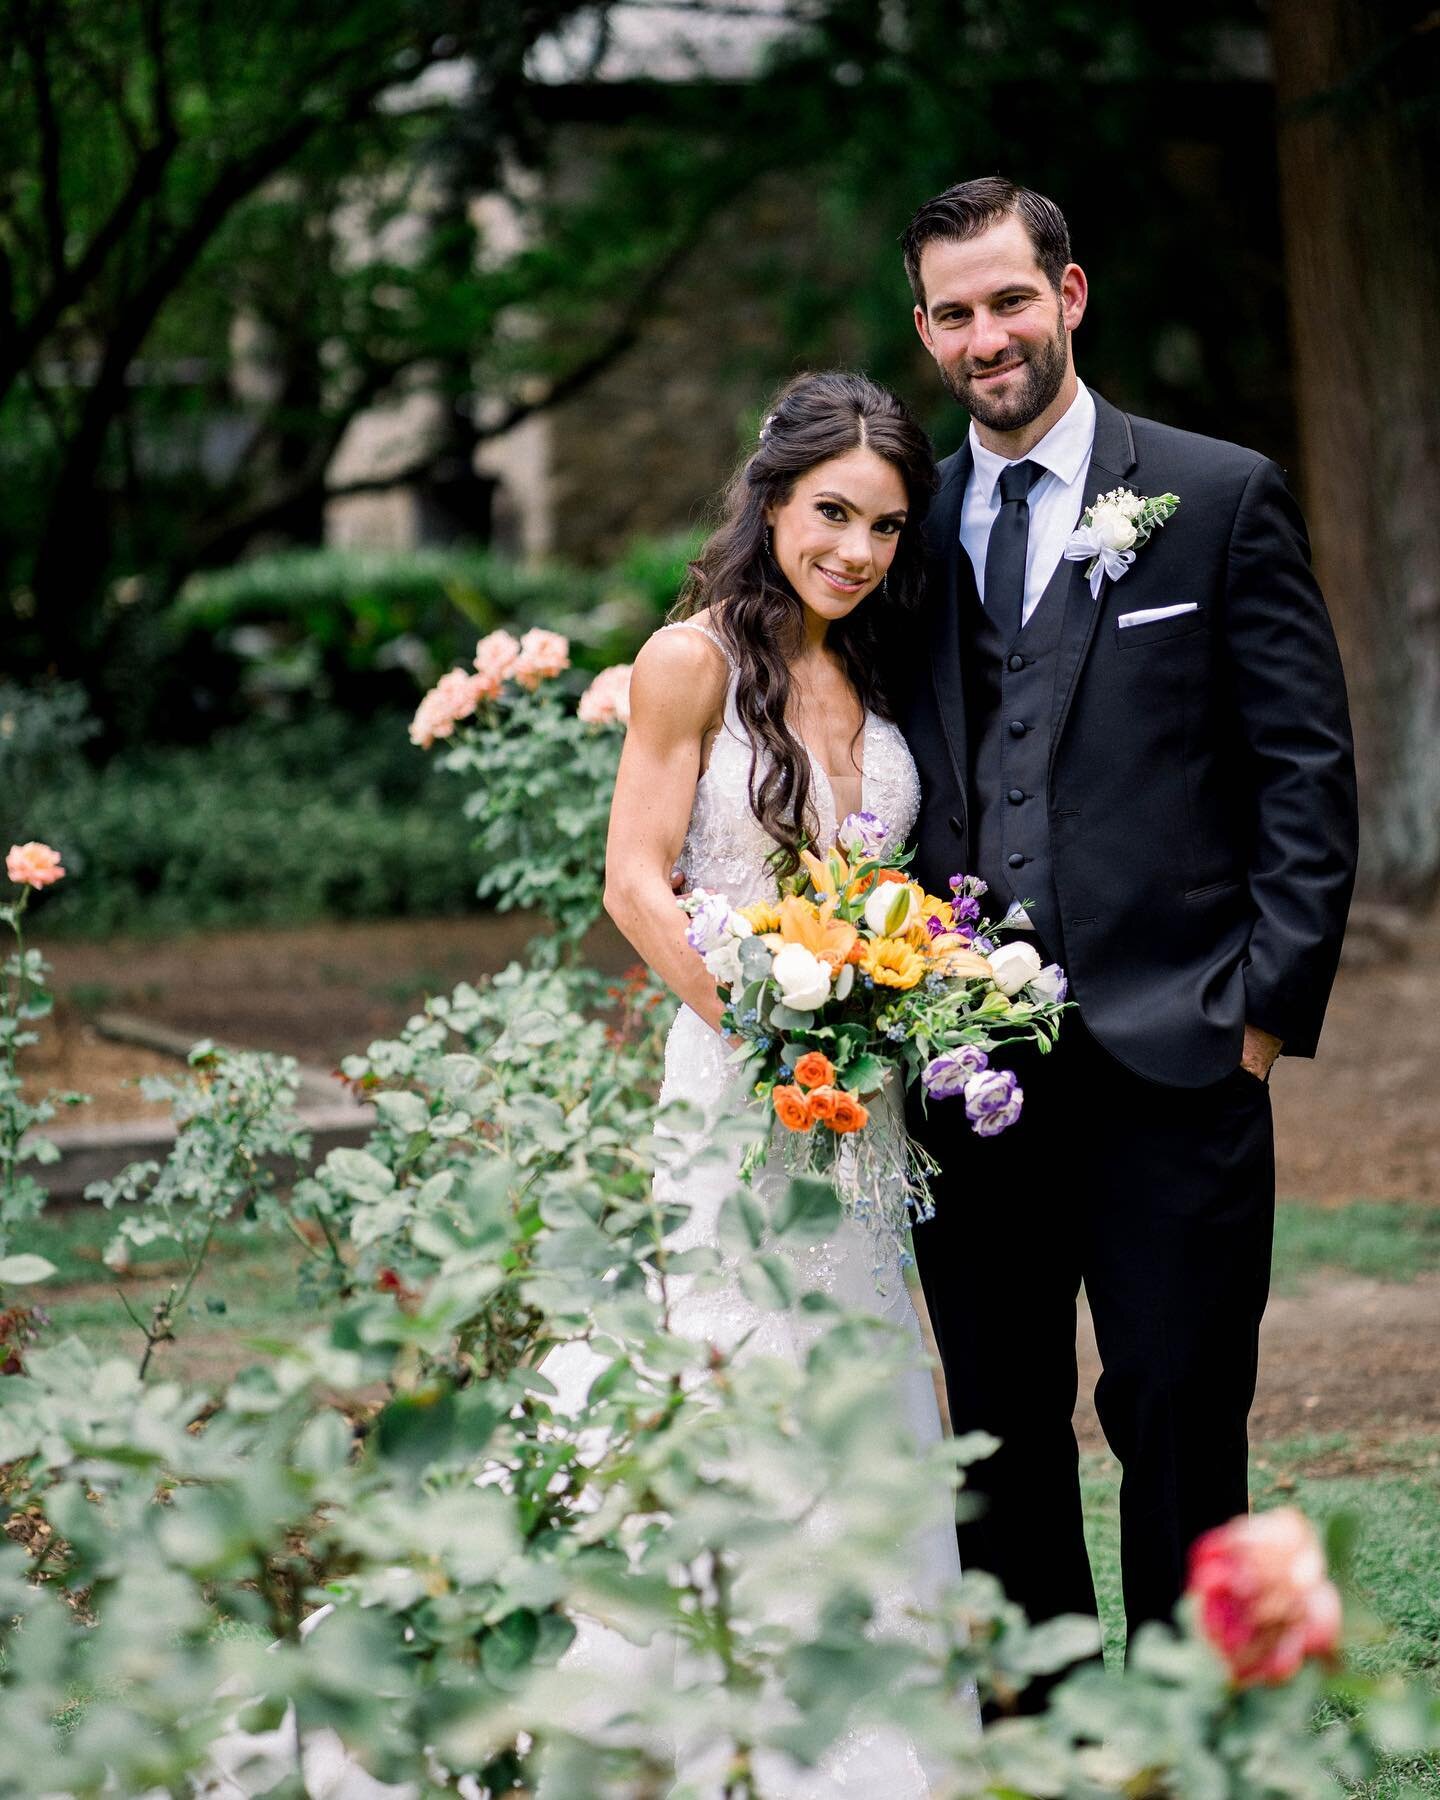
(1050, 984)
(993, 1100)
(862, 836)
(709, 915)
(982, 946)
(944, 1076)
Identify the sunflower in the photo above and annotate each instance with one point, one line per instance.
(764, 916)
(890, 962)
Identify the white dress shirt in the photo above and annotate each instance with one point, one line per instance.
(1064, 452)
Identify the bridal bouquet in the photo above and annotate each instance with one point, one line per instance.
(854, 976)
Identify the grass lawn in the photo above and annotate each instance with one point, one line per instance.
(1386, 1240)
(247, 1289)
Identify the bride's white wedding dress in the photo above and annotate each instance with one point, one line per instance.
(726, 852)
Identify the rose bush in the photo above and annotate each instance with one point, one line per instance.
(410, 1464)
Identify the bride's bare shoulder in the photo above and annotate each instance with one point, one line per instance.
(681, 668)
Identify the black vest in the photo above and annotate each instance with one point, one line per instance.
(1009, 706)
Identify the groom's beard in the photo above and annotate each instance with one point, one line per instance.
(1039, 383)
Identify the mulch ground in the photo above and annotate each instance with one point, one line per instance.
(1362, 1122)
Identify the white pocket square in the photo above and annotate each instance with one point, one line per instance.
(1151, 614)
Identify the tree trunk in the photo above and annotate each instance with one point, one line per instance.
(1359, 156)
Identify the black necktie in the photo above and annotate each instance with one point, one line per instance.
(1005, 555)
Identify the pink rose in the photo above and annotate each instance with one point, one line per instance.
(33, 865)
(495, 659)
(453, 697)
(1262, 1596)
(543, 655)
(607, 699)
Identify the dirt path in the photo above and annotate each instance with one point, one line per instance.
(1362, 1122)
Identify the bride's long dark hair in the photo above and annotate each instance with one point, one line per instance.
(760, 616)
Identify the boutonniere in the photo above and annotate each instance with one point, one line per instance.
(1113, 529)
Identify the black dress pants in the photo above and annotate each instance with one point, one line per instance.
(1161, 1201)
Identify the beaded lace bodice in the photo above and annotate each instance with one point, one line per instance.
(726, 848)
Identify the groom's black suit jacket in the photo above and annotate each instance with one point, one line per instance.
(1201, 794)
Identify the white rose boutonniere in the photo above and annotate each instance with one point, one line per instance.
(1113, 529)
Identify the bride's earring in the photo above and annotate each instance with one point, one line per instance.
(769, 548)
(885, 585)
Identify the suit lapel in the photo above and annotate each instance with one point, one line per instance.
(1112, 461)
(956, 589)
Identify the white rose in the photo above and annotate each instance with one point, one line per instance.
(724, 963)
(879, 901)
(803, 980)
(1111, 529)
(739, 926)
(844, 981)
(1014, 966)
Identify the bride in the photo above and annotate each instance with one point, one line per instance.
(758, 721)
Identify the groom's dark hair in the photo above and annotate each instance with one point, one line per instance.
(970, 207)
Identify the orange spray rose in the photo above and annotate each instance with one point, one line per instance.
(814, 1070)
(792, 1108)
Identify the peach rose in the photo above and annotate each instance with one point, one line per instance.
(454, 697)
(792, 1108)
(1262, 1597)
(543, 655)
(849, 1114)
(607, 699)
(33, 865)
(495, 658)
(814, 1070)
(823, 1102)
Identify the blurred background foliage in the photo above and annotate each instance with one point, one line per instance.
(233, 239)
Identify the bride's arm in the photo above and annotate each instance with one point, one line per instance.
(677, 694)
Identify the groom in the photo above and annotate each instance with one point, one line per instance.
(1161, 772)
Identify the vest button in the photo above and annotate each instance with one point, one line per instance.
(1017, 663)
(1015, 796)
(1018, 728)
(1015, 860)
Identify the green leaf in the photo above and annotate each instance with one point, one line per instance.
(808, 1208)
(510, 1648)
(742, 1223)
(769, 1282)
(403, 1111)
(25, 1268)
(864, 1074)
(786, 1018)
(416, 1429)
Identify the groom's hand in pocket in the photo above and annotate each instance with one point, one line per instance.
(1261, 1049)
